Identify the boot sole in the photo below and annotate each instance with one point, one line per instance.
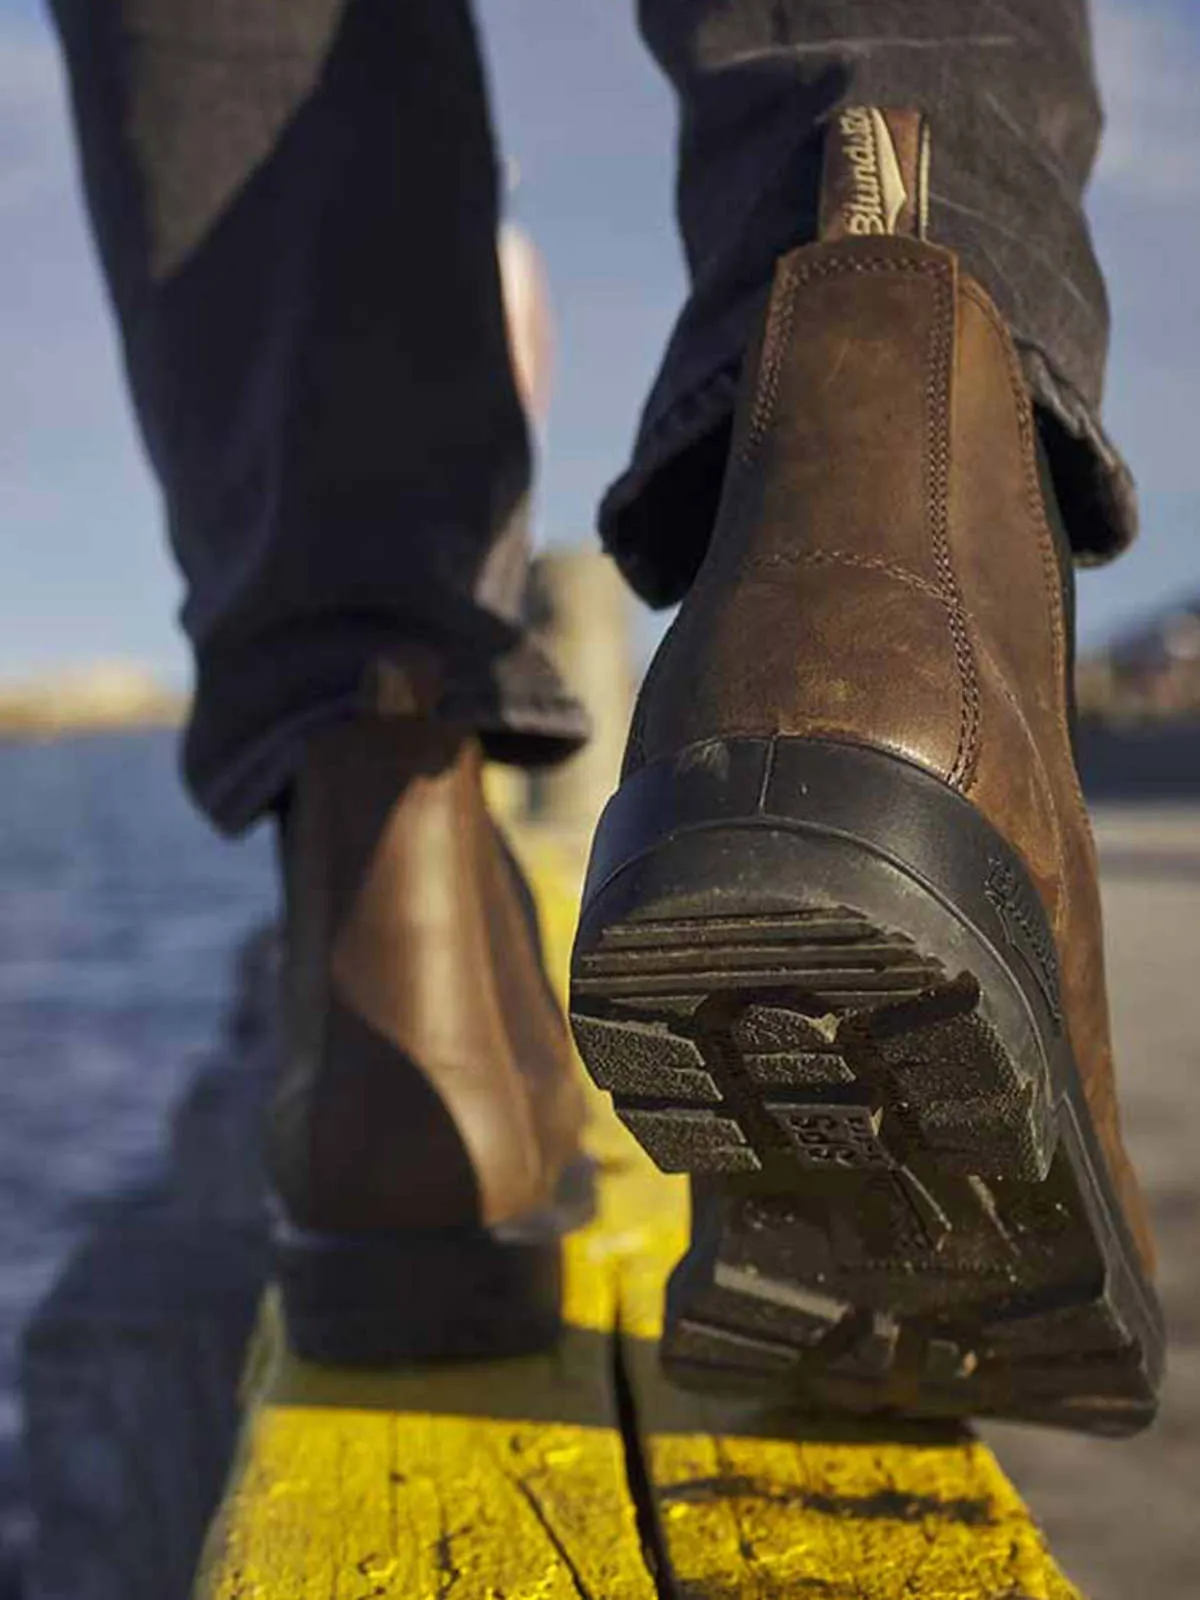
(437, 1294)
(815, 978)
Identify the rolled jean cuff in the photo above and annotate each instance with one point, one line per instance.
(656, 518)
(238, 766)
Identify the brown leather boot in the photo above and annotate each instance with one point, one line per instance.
(424, 1141)
(840, 953)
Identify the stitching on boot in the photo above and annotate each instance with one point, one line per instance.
(1050, 575)
(776, 339)
(999, 684)
(793, 276)
(851, 558)
(941, 353)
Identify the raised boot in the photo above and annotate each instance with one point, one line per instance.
(840, 952)
(424, 1140)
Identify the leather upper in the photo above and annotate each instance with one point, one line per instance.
(428, 1080)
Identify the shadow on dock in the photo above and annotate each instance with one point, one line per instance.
(131, 1364)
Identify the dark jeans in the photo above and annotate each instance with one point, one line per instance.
(296, 205)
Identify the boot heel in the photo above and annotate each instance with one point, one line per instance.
(815, 977)
(438, 1294)
(770, 977)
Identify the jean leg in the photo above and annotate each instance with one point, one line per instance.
(296, 208)
(1010, 91)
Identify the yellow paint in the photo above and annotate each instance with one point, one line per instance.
(502, 1481)
(854, 1520)
(375, 1503)
(508, 1481)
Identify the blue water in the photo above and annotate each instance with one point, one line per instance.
(120, 913)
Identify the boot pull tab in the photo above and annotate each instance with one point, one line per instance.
(875, 177)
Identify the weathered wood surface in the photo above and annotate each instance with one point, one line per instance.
(582, 1474)
(483, 1480)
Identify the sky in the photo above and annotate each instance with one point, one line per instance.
(590, 127)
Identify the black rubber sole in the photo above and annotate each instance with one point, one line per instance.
(815, 978)
(438, 1294)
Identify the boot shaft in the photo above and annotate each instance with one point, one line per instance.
(426, 1079)
(881, 511)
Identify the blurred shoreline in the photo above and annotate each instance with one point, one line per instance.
(102, 696)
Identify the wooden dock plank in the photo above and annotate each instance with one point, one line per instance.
(372, 1504)
(501, 1480)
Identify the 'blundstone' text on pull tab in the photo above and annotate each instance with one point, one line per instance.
(876, 174)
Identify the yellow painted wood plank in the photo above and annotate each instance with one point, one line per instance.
(490, 1481)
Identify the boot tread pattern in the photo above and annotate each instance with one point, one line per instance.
(801, 1032)
(883, 1222)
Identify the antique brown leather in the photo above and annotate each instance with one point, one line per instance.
(427, 1079)
(882, 572)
